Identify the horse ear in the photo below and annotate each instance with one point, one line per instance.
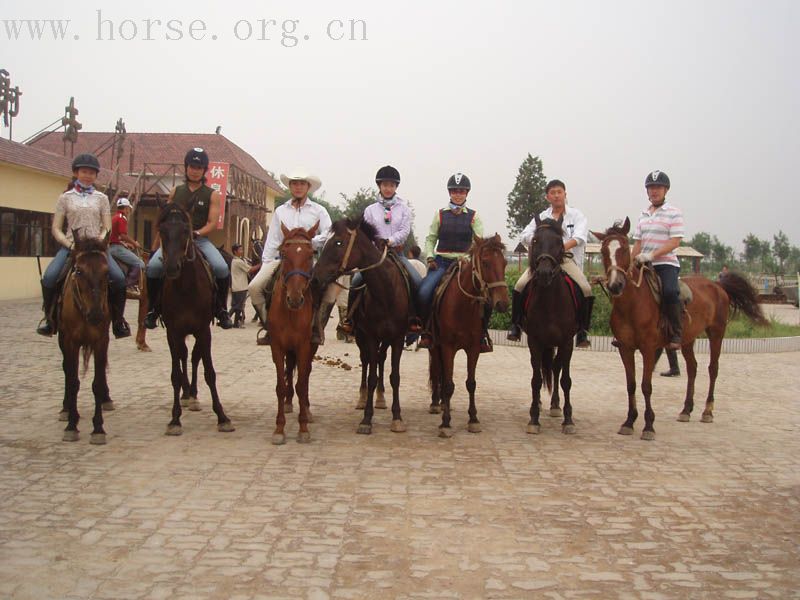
(626, 227)
(560, 220)
(284, 230)
(598, 235)
(313, 231)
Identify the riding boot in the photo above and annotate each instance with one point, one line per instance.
(47, 325)
(486, 341)
(154, 285)
(346, 323)
(674, 369)
(584, 322)
(321, 316)
(119, 326)
(515, 332)
(425, 339)
(221, 303)
(262, 339)
(674, 313)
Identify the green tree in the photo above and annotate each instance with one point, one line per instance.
(780, 248)
(793, 260)
(721, 253)
(702, 243)
(752, 249)
(528, 196)
(354, 205)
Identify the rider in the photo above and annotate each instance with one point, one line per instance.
(658, 233)
(299, 211)
(88, 211)
(449, 239)
(203, 205)
(122, 243)
(391, 217)
(576, 230)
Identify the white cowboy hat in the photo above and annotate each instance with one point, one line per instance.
(301, 174)
(122, 202)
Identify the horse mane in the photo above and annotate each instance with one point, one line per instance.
(617, 230)
(168, 209)
(493, 243)
(357, 222)
(90, 244)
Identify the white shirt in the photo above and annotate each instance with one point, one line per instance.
(575, 227)
(305, 216)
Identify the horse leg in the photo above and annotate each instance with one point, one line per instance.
(380, 392)
(563, 360)
(185, 391)
(100, 391)
(691, 374)
(288, 375)
(555, 400)
(447, 357)
(204, 340)
(193, 404)
(536, 389)
(435, 376)
(303, 360)
(649, 363)
(72, 385)
(362, 390)
(473, 426)
(715, 342)
(141, 330)
(365, 426)
(278, 357)
(626, 354)
(394, 378)
(177, 349)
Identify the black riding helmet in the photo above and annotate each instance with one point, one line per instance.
(656, 178)
(459, 181)
(87, 160)
(196, 157)
(387, 173)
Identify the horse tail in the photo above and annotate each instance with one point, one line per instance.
(547, 367)
(87, 355)
(743, 297)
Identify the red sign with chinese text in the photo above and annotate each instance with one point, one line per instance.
(217, 179)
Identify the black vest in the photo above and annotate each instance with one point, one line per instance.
(196, 203)
(455, 230)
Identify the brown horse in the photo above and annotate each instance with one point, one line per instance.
(187, 307)
(83, 325)
(635, 323)
(381, 319)
(479, 280)
(550, 323)
(291, 313)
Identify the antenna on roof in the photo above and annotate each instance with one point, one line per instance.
(218, 130)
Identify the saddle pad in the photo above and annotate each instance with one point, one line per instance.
(684, 292)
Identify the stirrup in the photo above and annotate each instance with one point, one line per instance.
(262, 339)
(121, 329)
(346, 326)
(425, 341)
(45, 328)
(582, 340)
(515, 333)
(414, 325)
(224, 319)
(486, 345)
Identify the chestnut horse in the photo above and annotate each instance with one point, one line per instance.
(479, 280)
(550, 323)
(291, 313)
(635, 323)
(381, 319)
(187, 307)
(83, 325)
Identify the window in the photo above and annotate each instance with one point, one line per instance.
(148, 234)
(26, 233)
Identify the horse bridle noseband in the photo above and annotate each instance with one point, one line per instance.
(300, 272)
(627, 274)
(78, 296)
(483, 286)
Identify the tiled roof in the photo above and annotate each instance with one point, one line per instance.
(23, 155)
(162, 148)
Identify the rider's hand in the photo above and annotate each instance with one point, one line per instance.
(195, 234)
(432, 266)
(644, 257)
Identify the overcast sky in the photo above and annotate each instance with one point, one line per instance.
(603, 92)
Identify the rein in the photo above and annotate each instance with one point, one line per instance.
(477, 276)
(80, 303)
(350, 243)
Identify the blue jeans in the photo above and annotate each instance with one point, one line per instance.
(51, 273)
(416, 280)
(428, 285)
(155, 268)
(121, 253)
(668, 274)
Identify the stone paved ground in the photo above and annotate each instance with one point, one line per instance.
(705, 511)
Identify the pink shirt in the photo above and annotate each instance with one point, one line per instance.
(653, 230)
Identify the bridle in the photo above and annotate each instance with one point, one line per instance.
(190, 248)
(478, 280)
(556, 260)
(343, 270)
(300, 272)
(78, 298)
(628, 274)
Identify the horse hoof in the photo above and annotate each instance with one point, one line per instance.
(303, 437)
(648, 435)
(184, 402)
(287, 407)
(278, 439)
(98, 438)
(707, 418)
(398, 426)
(380, 403)
(63, 416)
(143, 348)
(71, 436)
(194, 404)
(683, 418)
(435, 409)
(474, 427)
(556, 412)
(174, 430)
(445, 432)
(625, 430)
(534, 429)
(361, 404)
(225, 427)
(108, 406)
(365, 429)
(568, 429)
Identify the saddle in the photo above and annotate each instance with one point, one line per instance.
(571, 285)
(654, 283)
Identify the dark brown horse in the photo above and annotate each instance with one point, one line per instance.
(187, 307)
(381, 319)
(479, 280)
(550, 323)
(83, 325)
(635, 323)
(291, 313)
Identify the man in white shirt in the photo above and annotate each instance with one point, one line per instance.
(576, 231)
(299, 211)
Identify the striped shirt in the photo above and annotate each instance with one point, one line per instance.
(654, 230)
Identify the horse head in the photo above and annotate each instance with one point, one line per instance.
(90, 277)
(175, 229)
(297, 255)
(349, 247)
(547, 250)
(489, 268)
(616, 254)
